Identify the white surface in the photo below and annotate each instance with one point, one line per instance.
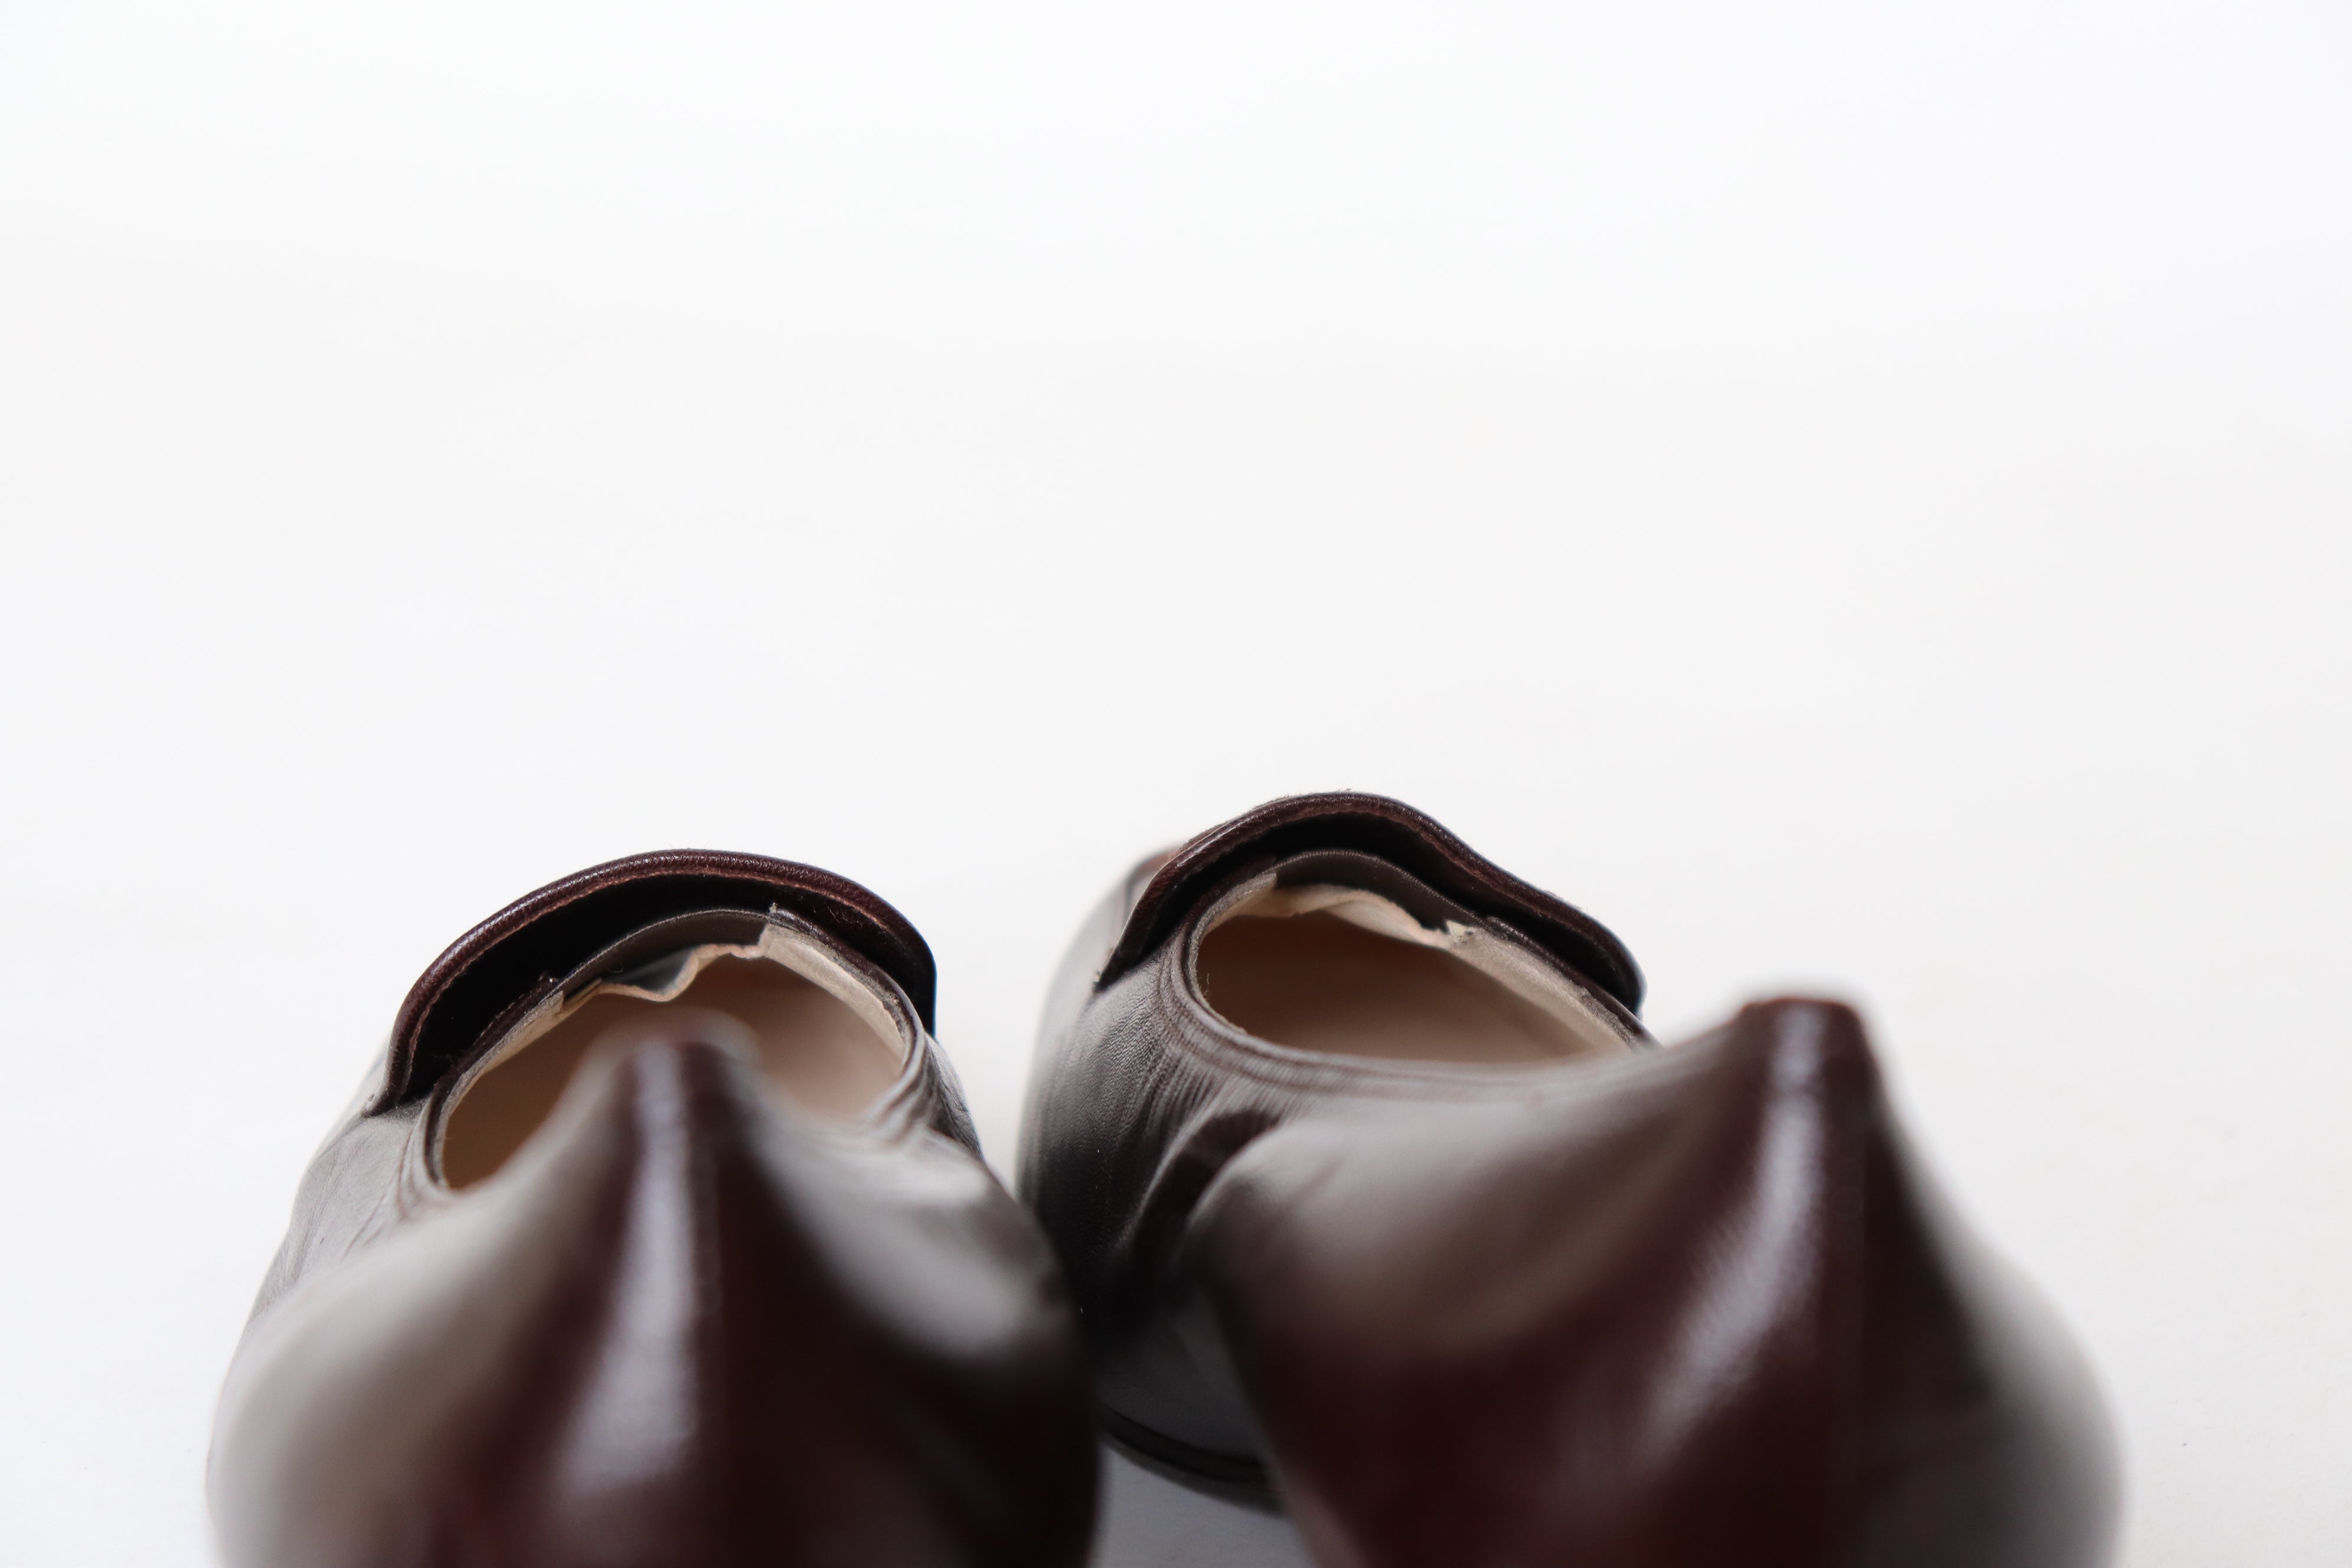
(1852, 496)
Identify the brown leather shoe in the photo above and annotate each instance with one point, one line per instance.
(660, 1240)
(1373, 1190)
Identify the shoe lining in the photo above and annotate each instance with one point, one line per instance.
(822, 1041)
(1348, 972)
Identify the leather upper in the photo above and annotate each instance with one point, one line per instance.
(1679, 1307)
(687, 1324)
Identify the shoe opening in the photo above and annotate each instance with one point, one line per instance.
(1301, 958)
(821, 1037)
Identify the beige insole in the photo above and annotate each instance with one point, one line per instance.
(1320, 981)
(812, 1049)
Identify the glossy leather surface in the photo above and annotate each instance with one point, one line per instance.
(687, 1325)
(1676, 1307)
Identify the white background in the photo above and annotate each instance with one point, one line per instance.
(1855, 497)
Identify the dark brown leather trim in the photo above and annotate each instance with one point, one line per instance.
(1393, 831)
(1244, 1482)
(504, 961)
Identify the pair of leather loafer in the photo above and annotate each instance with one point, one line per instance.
(660, 1238)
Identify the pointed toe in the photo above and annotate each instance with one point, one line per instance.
(1684, 1317)
(670, 1337)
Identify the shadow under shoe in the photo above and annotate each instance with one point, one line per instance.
(683, 1329)
(1704, 1311)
